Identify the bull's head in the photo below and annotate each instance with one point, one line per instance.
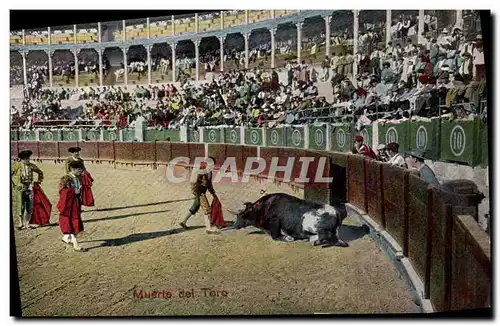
(249, 215)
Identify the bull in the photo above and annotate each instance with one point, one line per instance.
(287, 218)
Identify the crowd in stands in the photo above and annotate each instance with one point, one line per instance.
(395, 82)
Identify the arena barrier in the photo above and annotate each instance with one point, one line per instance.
(447, 249)
(463, 142)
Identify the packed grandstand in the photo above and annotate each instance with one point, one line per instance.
(293, 68)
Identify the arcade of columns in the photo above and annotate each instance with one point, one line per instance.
(459, 22)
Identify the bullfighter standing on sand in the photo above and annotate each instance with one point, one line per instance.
(199, 188)
(70, 204)
(86, 178)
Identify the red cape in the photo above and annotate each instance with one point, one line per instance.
(216, 218)
(70, 220)
(87, 196)
(42, 207)
(366, 150)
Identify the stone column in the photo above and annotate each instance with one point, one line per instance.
(125, 66)
(460, 20)
(328, 19)
(148, 31)
(356, 39)
(272, 14)
(24, 37)
(49, 54)
(173, 25)
(77, 72)
(421, 24)
(99, 52)
(99, 32)
(299, 40)
(148, 49)
(24, 54)
(246, 36)
(221, 41)
(222, 20)
(388, 25)
(273, 46)
(246, 17)
(74, 33)
(196, 24)
(49, 36)
(124, 35)
(197, 58)
(173, 45)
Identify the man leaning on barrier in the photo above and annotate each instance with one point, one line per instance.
(416, 160)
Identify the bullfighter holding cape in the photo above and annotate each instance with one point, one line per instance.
(199, 188)
(70, 204)
(33, 205)
(87, 195)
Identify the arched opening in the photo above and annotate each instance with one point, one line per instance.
(209, 50)
(371, 30)
(16, 69)
(313, 40)
(185, 63)
(113, 67)
(234, 52)
(88, 67)
(161, 63)
(259, 49)
(63, 68)
(286, 44)
(137, 66)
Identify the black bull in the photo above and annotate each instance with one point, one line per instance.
(287, 218)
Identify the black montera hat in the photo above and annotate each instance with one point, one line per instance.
(74, 149)
(75, 165)
(25, 154)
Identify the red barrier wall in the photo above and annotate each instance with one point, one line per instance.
(395, 186)
(418, 219)
(374, 192)
(356, 181)
(163, 152)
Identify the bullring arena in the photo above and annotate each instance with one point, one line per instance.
(135, 244)
(413, 248)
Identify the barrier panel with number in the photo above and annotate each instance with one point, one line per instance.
(482, 157)
(459, 141)
(212, 135)
(232, 135)
(193, 136)
(49, 135)
(253, 137)
(70, 135)
(367, 134)
(425, 136)
(294, 137)
(317, 137)
(341, 137)
(111, 135)
(275, 137)
(14, 135)
(92, 135)
(395, 133)
(27, 135)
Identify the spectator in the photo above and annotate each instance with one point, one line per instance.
(416, 160)
(395, 159)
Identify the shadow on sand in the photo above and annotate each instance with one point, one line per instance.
(141, 205)
(136, 237)
(117, 217)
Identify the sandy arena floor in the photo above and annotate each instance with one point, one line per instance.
(135, 245)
